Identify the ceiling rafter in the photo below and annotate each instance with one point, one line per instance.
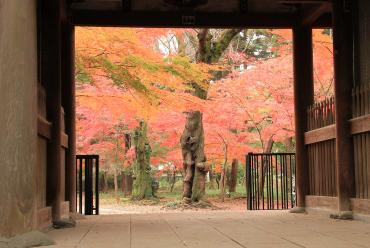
(313, 13)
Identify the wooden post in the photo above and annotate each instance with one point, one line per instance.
(303, 97)
(343, 71)
(52, 69)
(68, 40)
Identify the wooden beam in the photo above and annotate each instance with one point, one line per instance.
(343, 60)
(64, 142)
(303, 97)
(311, 15)
(319, 135)
(175, 19)
(360, 124)
(303, 1)
(324, 21)
(243, 6)
(360, 206)
(43, 127)
(52, 79)
(321, 202)
(68, 64)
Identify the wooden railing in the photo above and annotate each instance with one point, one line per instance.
(321, 114)
(361, 141)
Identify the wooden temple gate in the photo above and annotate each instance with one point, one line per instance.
(332, 138)
(324, 162)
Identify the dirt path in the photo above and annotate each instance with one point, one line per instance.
(238, 204)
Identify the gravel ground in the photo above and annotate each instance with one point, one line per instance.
(238, 204)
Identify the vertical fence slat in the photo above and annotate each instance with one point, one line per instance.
(321, 157)
(270, 181)
(87, 167)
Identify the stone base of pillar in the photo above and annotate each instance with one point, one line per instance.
(64, 223)
(344, 215)
(30, 239)
(44, 218)
(298, 210)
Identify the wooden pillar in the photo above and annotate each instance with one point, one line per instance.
(343, 72)
(303, 97)
(69, 103)
(52, 70)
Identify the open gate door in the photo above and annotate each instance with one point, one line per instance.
(87, 184)
(271, 181)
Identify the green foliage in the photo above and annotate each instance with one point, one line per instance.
(183, 68)
(173, 71)
(327, 31)
(158, 150)
(139, 61)
(260, 43)
(82, 76)
(121, 76)
(118, 73)
(241, 173)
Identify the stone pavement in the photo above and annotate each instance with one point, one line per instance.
(214, 229)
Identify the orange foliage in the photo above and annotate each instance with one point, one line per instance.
(130, 79)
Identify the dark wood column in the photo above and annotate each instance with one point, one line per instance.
(343, 70)
(52, 69)
(303, 97)
(68, 84)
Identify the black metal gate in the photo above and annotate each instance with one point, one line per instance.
(271, 181)
(87, 184)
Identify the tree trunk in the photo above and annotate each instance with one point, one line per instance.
(211, 179)
(127, 184)
(223, 181)
(172, 179)
(262, 169)
(143, 180)
(192, 140)
(192, 144)
(115, 176)
(103, 182)
(233, 176)
(123, 184)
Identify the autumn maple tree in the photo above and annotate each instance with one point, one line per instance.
(123, 77)
(206, 97)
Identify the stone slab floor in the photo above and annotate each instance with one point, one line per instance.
(213, 230)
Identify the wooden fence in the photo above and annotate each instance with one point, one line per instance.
(320, 141)
(321, 114)
(321, 153)
(322, 171)
(361, 100)
(361, 142)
